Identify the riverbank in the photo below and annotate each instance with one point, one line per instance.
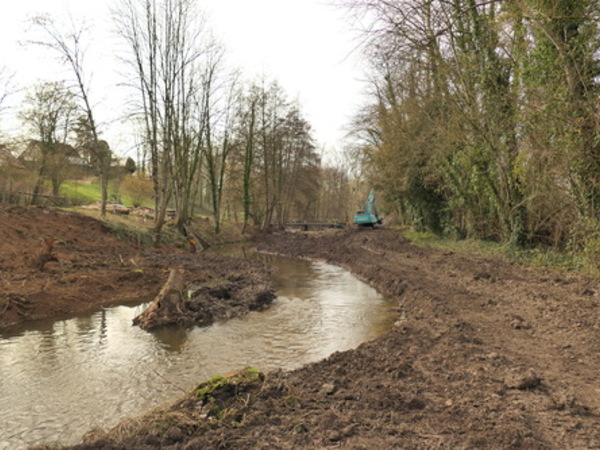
(485, 354)
(57, 264)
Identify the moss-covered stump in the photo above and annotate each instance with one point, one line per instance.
(220, 396)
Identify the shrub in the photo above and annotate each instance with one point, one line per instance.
(137, 189)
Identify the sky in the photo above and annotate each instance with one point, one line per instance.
(308, 46)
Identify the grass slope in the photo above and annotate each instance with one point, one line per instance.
(85, 193)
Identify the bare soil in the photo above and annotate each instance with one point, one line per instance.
(91, 268)
(485, 353)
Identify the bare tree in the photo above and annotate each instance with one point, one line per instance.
(272, 109)
(248, 123)
(6, 87)
(69, 47)
(277, 159)
(195, 138)
(49, 112)
(220, 116)
(166, 39)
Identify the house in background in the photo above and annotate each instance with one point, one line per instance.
(8, 159)
(38, 153)
(54, 162)
(14, 176)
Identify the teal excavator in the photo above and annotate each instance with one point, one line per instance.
(369, 217)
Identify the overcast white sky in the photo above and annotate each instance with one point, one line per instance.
(306, 45)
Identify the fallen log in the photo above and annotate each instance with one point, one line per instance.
(195, 241)
(168, 306)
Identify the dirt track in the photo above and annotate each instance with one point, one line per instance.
(485, 354)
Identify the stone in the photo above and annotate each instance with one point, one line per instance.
(523, 380)
(327, 389)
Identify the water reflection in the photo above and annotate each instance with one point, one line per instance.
(59, 379)
(171, 339)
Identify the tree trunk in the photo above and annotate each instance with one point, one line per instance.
(168, 306)
(103, 192)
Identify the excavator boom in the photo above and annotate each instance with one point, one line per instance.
(369, 216)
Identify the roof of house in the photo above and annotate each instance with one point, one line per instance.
(8, 159)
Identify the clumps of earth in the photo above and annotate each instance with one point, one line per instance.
(486, 353)
(195, 297)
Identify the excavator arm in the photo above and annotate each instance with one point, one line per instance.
(370, 215)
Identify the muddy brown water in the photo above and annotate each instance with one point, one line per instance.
(59, 379)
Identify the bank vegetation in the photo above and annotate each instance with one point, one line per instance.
(483, 119)
(211, 142)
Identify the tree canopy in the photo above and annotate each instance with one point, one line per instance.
(483, 117)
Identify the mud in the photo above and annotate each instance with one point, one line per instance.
(92, 267)
(215, 288)
(485, 354)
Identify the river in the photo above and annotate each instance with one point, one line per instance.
(59, 379)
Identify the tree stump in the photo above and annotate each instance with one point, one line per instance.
(46, 255)
(168, 306)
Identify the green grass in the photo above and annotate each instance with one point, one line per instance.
(428, 239)
(549, 258)
(85, 193)
(219, 394)
(537, 257)
(81, 193)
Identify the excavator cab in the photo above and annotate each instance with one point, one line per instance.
(369, 217)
